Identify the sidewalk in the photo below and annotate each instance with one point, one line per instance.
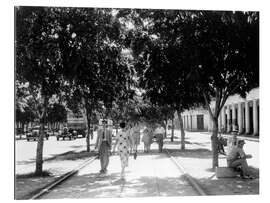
(241, 136)
(150, 175)
(197, 161)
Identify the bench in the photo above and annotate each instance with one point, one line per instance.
(225, 172)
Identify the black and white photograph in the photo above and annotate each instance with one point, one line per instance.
(136, 102)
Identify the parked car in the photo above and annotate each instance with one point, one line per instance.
(65, 132)
(34, 133)
(80, 132)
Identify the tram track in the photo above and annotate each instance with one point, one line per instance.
(190, 179)
(62, 178)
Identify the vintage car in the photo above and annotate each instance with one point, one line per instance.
(66, 132)
(33, 133)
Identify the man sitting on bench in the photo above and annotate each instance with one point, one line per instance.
(237, 159)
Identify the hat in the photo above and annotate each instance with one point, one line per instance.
(107, 122)
(241, 141)
(102, 121)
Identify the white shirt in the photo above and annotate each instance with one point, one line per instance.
(159, 130)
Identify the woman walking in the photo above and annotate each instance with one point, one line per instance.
(124, 143)
(147, 139)
(135, 132)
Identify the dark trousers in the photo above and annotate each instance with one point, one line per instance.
(104, 154)
(159, 141)
(242, 162)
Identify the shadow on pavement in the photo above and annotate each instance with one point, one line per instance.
(200, 153)
(229, 186)
(168, 142)
(95, 186)
(70, 155)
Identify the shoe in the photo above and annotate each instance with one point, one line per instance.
(250, 177)
(244, 177)
(102, 171)
(247, 177)
(135, 155)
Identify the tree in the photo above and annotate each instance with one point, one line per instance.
(24, 112)
(161, 49)
(210, 55)
(226, 60)
(39, 61)
(99, 67)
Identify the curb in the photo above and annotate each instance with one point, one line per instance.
(61, 179)
(239, 136)
(243, 138)
(190, 179)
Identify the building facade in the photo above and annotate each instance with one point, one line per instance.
(238, 114)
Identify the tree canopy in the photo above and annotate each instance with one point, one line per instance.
(97, 58)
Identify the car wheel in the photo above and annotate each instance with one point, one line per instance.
(70, 138)
(57, 138)
(27, 139)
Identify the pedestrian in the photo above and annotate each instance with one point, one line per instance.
(123, 142)
(135, 132)
(237, 158)
(147, 139)
(159, 133)
(103, 144)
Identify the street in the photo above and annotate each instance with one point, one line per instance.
(26, 151)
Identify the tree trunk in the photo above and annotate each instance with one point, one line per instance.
(182, 130)
(214, 140)
(39, 155)
(53, 128)
(88, 117)
(166, 122)
(23, 124)
(172, 135)
(116, 131)
(88, 136)
(214, 143)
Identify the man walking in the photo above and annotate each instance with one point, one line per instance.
(159, 134)
(103, 144)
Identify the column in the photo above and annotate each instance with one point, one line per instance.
(219, 122)
(233, 117)
(240, 122)
(247, 130)
(228, 119)
(223, 118)
(191, 122)
(185, 127)
(255, 117)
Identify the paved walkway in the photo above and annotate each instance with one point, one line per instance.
(148, 176)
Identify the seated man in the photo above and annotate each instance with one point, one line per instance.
(237, 158)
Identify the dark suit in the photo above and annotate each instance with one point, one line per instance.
(103, 145)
